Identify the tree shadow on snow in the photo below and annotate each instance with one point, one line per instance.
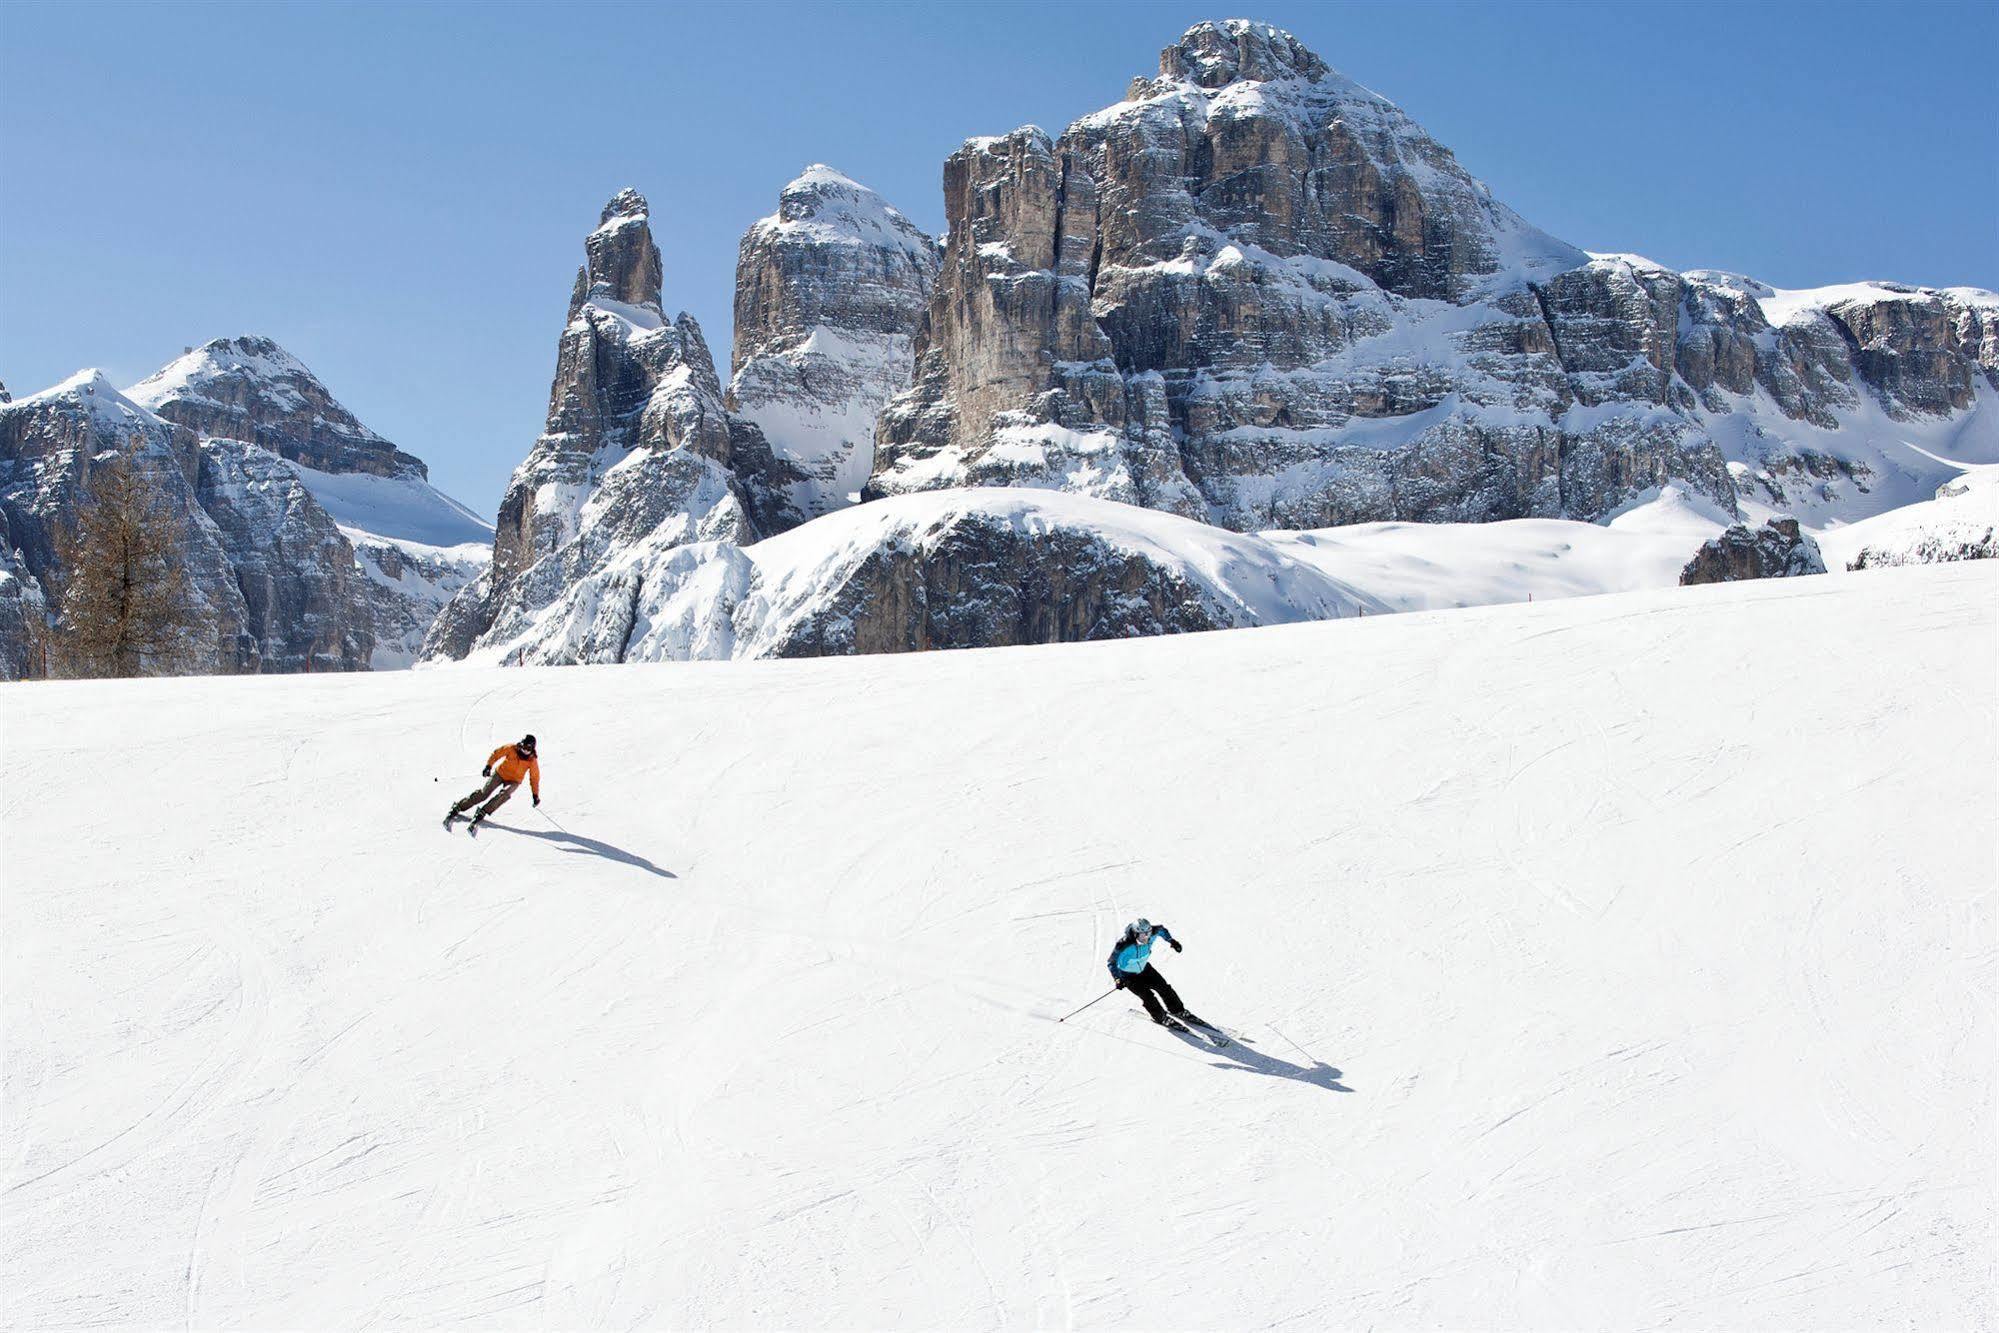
(1241, 1055)
(578, 845)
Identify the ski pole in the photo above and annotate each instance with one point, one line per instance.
(1105, 996)
(550, 818)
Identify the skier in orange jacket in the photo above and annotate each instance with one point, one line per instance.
(505, 768)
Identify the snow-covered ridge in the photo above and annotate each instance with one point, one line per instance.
(195, 373)
(396, 508)
(92, 387)
(1783, 307)
(833, 584)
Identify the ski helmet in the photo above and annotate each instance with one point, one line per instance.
(527, 744)
(1142, 928)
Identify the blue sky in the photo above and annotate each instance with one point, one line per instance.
(400, 194)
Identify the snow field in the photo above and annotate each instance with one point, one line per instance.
(1604, 963)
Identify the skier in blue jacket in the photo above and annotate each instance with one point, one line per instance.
(1132, 969)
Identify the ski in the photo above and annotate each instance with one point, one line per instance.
(1215, 1034)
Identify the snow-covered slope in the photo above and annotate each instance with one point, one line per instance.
(1960, 523)
(1432, 566)
(1615, 963)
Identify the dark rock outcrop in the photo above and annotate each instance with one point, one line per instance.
(982, 582)
(1776, 550)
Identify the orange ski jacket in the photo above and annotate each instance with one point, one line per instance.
(506, 762)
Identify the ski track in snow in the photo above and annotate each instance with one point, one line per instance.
(1611, 963)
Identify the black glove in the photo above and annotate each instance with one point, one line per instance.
(486, 772)
(1175, 944)
(537, 800)
(1117, 983)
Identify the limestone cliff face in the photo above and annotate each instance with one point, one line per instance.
(829, 292)
(301, 584)
(640, 453)
(1257, 293)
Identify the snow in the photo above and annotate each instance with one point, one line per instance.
(109, 409)
(1783, 306)
(618, 222)
(1606, 964)
(1961, 520)
(641, 319)
(1432, 566)
(817, 401)
(402, 509)
(190, 376)
(829, 207)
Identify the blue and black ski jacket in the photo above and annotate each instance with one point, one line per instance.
(1129, 957)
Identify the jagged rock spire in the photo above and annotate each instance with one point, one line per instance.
(623, 263)
(639, 451)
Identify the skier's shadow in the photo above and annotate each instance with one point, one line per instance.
(578, 845)
(1244, 1056)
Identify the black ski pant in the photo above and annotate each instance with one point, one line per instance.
(1150, 987)
(496, 783)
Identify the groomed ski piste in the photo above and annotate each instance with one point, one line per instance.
(1622, 962)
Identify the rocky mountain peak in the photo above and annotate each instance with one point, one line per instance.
(830, 290)
(1256, 292)
(822, 204)
(626, 203)
(250, 388)
(815, 189)
(1214, 55)
(623, 264)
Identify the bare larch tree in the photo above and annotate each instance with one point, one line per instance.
(127, 608)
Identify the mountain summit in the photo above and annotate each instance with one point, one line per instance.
(1259, 294)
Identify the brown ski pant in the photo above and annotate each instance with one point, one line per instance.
(494, 783)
